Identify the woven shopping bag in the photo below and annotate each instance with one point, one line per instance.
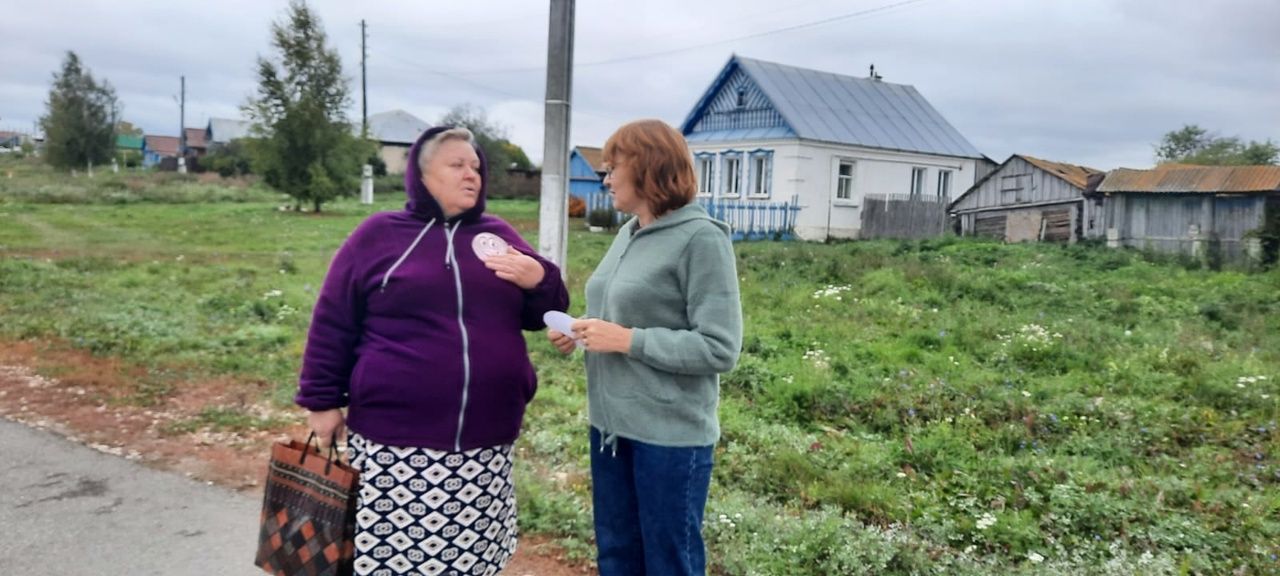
(308, 512)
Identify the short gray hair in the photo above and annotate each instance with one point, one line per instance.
(430, 146)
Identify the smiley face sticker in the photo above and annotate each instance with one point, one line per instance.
(487, 245)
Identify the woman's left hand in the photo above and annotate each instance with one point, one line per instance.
(600, 336)
(517, 268)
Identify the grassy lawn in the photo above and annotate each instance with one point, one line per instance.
(949, 407)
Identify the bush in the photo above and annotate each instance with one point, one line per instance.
(228, 160)
(577, 207)
(379, 165)
(388, 184)
(602, 217)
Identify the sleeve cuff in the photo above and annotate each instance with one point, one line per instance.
(637, 344)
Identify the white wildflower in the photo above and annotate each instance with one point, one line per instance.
(818, 357)
(831, 290)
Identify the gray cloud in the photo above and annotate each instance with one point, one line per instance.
(1095, 82)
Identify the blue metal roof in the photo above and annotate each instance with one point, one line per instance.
(772, 133)
(840, 109)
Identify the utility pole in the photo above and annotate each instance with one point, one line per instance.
(364, 83)
(553, 214)
(182, 120)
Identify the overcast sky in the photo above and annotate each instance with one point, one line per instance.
(1093, 82)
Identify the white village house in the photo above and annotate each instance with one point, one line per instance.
(395, 131)
(765, 132)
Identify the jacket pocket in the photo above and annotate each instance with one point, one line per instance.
(644, 383)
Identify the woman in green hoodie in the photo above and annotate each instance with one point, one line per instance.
(663, 321)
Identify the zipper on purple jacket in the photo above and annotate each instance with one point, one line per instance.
(451, 261)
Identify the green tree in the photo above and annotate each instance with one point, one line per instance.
(305, 146)
(126, 128)
(1195, 145)
(500, 153)
(79, 127)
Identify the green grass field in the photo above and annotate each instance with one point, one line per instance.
(945, 407)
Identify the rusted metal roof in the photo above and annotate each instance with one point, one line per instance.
(195, 138)
(593, 156)
(161, 145)
(1184, 179)
(1077, 176)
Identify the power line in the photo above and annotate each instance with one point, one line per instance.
(822, 22)
(407, 65)
(452, 76)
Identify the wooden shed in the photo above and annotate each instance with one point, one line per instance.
(1027, 198)
(1201, 211)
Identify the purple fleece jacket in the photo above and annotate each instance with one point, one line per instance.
(424, 343)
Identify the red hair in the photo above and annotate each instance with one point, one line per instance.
(658, 158)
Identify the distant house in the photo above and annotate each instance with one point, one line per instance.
(129, 149)
(395, 131)
(195, 141)
(157, 148)
(1201, 211)
(222, 131)
(764, 131)
(586, 172)
(13, 140)
(1028, 198)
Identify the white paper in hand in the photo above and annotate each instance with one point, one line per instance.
(561, 322)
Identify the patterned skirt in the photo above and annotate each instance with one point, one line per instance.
(429, 512)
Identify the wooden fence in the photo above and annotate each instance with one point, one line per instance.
(902, 217)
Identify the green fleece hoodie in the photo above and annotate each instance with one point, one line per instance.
(675, 282)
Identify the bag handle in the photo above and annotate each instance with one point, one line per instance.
(333, 450)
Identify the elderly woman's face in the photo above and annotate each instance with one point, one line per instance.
(453, 177)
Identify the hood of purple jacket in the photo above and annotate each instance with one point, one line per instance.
(421, 203)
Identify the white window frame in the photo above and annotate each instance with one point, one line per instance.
(731, 166)
(851, 180)
(945, 177)
(760, 174)
(919, 174)
(705, 162)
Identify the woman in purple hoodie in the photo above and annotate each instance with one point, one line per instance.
(417, 333)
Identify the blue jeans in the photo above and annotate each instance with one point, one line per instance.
(648, 502)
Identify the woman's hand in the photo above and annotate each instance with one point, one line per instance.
(517, 268)
(563, 342)
(600, 336)
(327, 424)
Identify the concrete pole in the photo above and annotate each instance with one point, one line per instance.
(364, 83)
(553, 213)
(182, 121)
(366, 185)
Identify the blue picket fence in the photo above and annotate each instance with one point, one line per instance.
(755, 219)
(749, 219)
(602, 201)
